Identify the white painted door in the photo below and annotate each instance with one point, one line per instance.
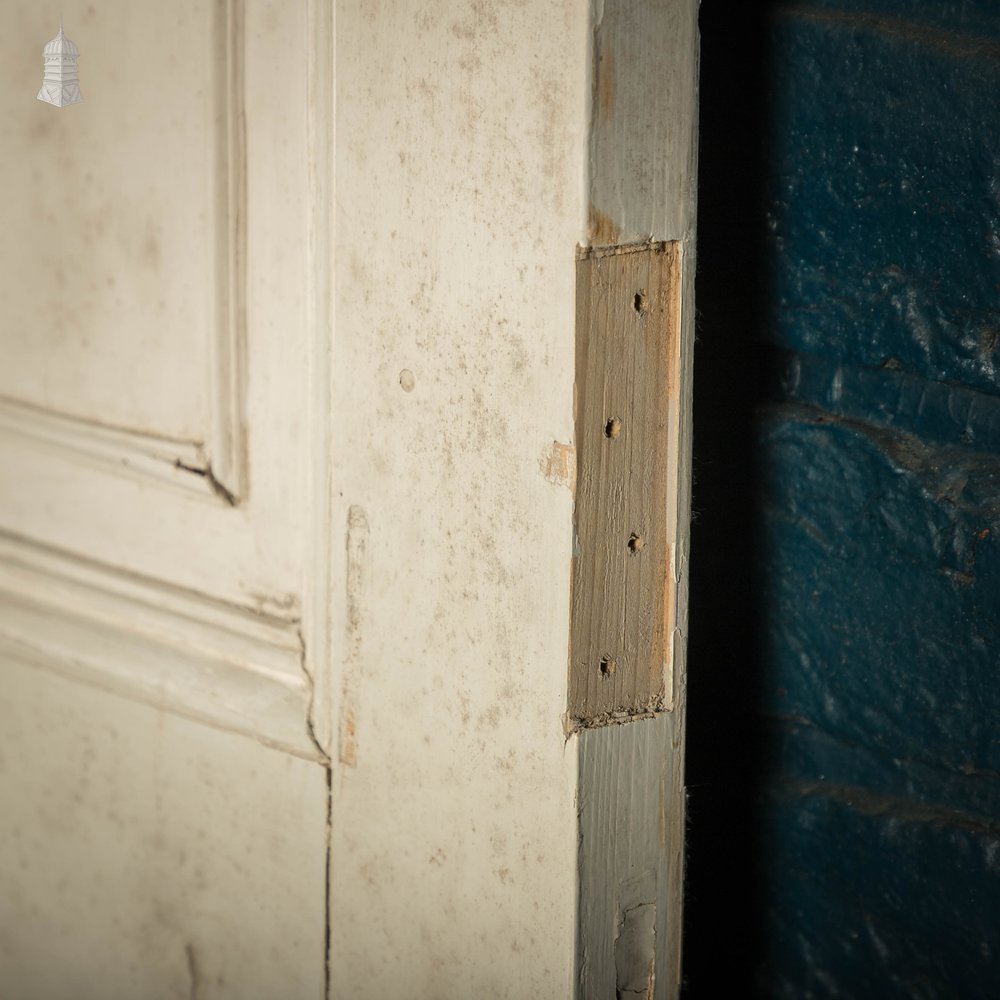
(287, 464)
(164, 803)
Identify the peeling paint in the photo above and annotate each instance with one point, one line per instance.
(635, 953)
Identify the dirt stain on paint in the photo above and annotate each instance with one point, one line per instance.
(601, 228)
(605, 85)
(193, 974)
(149, 252)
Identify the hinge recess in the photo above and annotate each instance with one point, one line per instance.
(627, 325)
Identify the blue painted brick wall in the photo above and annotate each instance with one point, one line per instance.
(864, 680)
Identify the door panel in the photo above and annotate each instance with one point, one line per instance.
(109, 253)
(143, 855)
(154, 430)
(153, 270)
(163, 798)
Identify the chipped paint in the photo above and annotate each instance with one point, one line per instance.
(357, 545)
(635, 953)
(558, 465)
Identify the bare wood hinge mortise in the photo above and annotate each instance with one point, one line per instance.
(627, 320)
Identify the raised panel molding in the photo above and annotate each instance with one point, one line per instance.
(233, 667)
(215, 466)
(180, 464)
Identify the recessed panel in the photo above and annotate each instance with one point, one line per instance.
(113, 244)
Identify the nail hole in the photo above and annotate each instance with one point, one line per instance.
(641, 303)
(635, 543)
(608, 666)
(612, 428)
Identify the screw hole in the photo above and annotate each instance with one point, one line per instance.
(613, 428)
(641, 303)
(635, 543)
(608, 666)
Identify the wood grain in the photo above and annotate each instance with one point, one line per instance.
(622, 597)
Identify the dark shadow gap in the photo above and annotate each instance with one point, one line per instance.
(725, 738)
